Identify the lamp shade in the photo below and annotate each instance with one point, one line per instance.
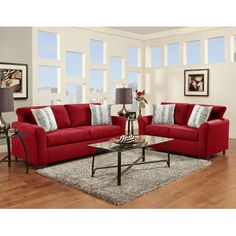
(6, 100)
(124, 96)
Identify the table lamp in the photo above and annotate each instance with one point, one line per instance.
(123, 96)
(6, 105)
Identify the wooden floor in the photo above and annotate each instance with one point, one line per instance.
(212, 187)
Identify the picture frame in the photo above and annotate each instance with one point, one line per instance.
(196, 82)
(131, 115)
(15, 76)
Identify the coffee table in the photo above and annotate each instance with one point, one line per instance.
(146, 142)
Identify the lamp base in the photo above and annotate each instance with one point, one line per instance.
(123, 112)
(3, 125)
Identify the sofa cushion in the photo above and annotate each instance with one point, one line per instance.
(25, 115)
(183, 132)
(79, 114)
(45, 118)
(199, 115)
(217, 112)
(67, 135)
(163, 114)
(158, 130)
(100, 114)
(101, 131)
(181, 112)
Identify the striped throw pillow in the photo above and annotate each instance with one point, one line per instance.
(100, 114)
(163, 114)
(199, 115)
(45, 118)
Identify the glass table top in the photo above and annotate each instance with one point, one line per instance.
(147, 140)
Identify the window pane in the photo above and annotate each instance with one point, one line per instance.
(47, 45)
(156, 57)
(96, 100)
(96, 52)
(73, 93)
(47, 79)
(133, 83)
(216, 50)
(193, 52)
(96, 81)
(132, 57)
(73, 64)
(173, 54)
(116, 68)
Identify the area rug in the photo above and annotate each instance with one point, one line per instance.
(135, 182)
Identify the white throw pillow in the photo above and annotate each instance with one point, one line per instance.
(100, 114)
(45, 118)
(199, 115)
(163, 114)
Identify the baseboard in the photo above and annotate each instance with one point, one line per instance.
(3, 148)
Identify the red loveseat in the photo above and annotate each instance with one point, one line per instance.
(69, 141)
(203, 142)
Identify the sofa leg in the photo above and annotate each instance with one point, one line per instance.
(224, 152)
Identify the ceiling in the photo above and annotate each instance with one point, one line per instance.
(145, 30)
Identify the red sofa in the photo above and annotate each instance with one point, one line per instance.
(69, 141)
(203, 142)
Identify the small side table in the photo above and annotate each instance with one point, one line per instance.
(131, 126)
(7, 137)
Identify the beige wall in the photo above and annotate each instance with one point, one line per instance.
(16, 47)
(167, 83)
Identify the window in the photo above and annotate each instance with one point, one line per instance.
(47, 45)
(97, 100)
(74, 64)
(96, 52)
(156, 56)
(45, 102)
(48, 79)
(234, 57)
(173, 54)
(193, 52)
(116, 68)
(133, 83)
(216, 50)
(133, 57)
(96, 81)
(73, 93)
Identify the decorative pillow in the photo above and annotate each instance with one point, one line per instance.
(199, 115)
(45, 118)
(100, 114)
(163, 114)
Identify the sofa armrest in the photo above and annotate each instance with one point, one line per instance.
(36, 143)
(142, 122)
(214, 136)
(120, 121)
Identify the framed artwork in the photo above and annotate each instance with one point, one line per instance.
(196, 82)
(15, 76)
(131, 115)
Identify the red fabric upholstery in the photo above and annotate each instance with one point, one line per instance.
(181, 112)
(101, 131)
(79, 114)
(183, 132)
(36, 143)
(69, 141)
(67, 135)
(158, 130)
(212, 136)
(143, 121)
(25, 115)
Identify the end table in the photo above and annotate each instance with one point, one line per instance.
(5, 135)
